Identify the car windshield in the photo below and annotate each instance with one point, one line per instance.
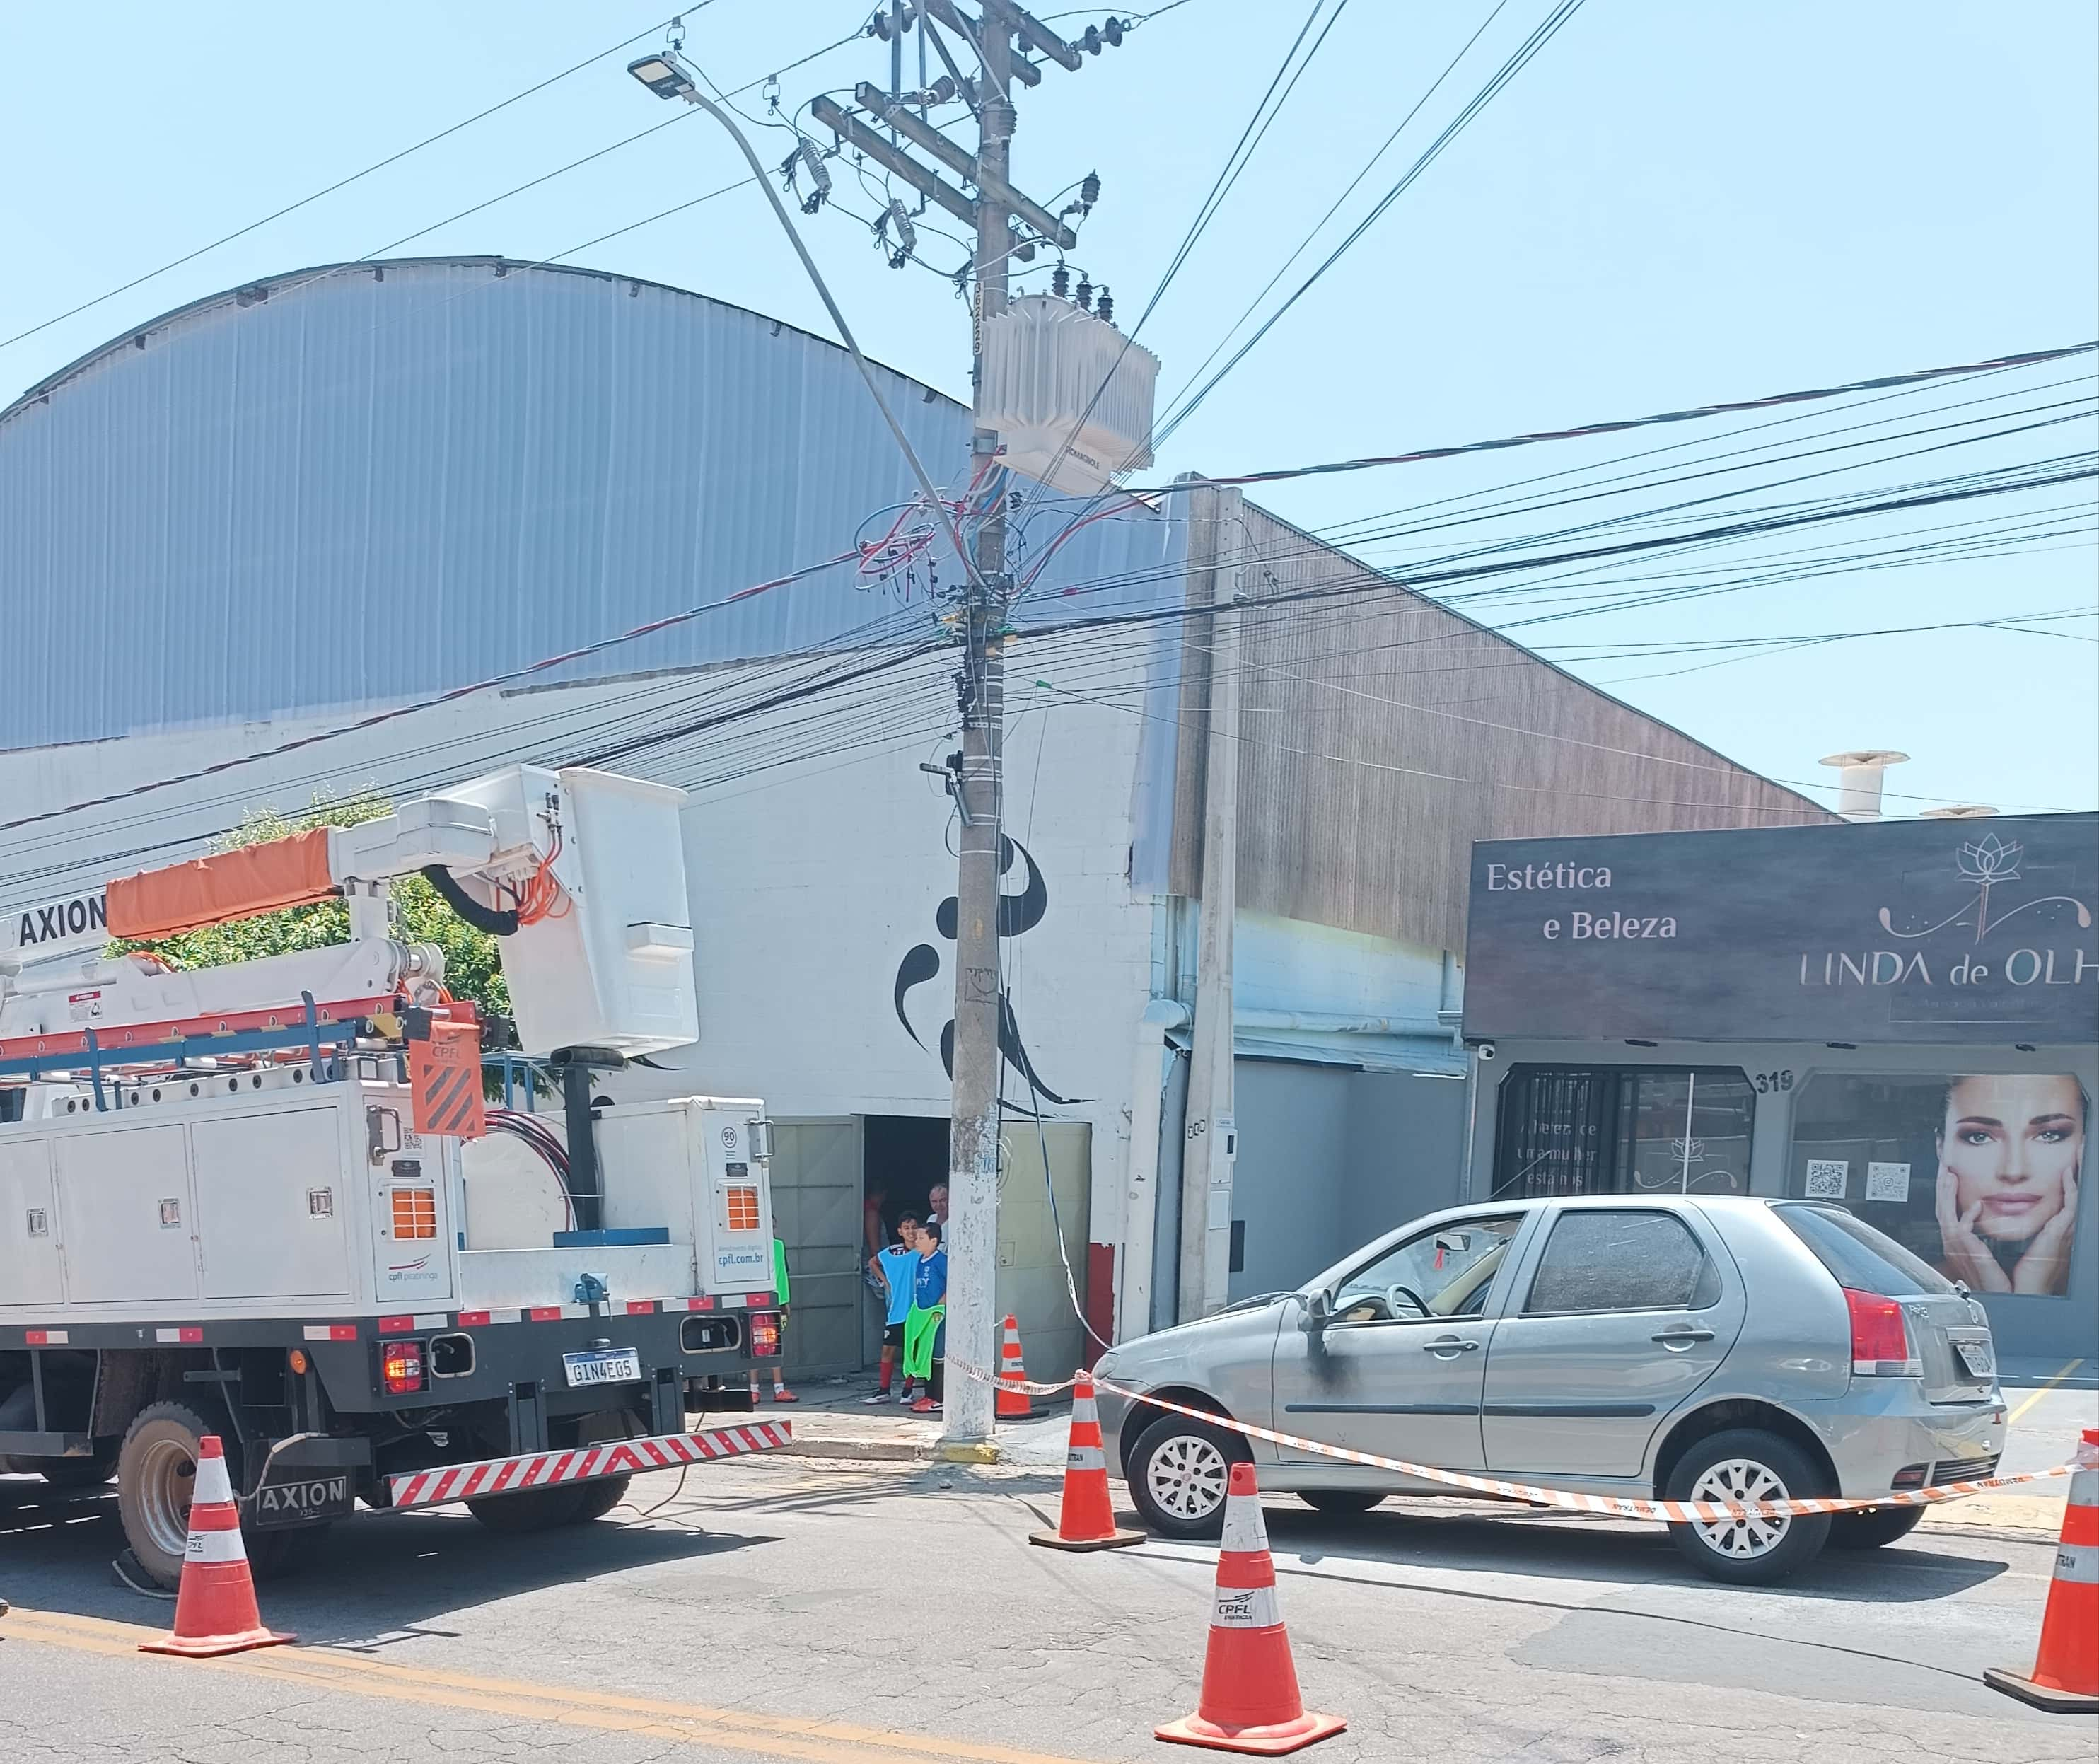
(1860, 1257)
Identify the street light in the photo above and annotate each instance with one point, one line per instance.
(664, 77)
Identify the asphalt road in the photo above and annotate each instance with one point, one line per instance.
(794, 1609)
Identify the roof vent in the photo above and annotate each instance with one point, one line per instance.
(1859, 780)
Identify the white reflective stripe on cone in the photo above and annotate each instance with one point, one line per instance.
(2078, 1562)
(1086, 1458)
(2084, 1488)
(1085, 1409)
(1245, 1608)
(1244, 1529)
(215, 1546)
(212, 1485)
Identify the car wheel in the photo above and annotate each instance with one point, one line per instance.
(1177, 1473)
(1339, 1500)
(1873, 1526)
(1748, 1464)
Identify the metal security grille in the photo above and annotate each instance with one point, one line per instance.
(1622, 1129)
(1557, 1131)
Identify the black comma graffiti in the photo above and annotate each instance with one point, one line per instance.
(1017, 914)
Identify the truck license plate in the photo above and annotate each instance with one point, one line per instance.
(1978, 1357)
(602, 1365)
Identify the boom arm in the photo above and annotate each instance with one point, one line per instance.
(580, 873)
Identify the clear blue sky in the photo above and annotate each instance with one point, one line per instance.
(1673, 203)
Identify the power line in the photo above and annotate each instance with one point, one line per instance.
(328, 190)
(1553, 23)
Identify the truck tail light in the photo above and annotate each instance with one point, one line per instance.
(401, 1367)
(765, 1334)
(1879, 1337)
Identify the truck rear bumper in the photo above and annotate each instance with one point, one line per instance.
(617, 1458)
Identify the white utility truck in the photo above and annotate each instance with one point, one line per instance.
(254, 1200)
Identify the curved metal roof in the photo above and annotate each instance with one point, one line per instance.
(364, 482)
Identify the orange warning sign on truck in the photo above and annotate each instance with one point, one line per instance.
(444, 1072)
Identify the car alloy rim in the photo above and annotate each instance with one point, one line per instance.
(1186, 1477)
(1745, 1538)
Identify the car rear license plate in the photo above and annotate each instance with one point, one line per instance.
(602, 1365)
(1979, 1357)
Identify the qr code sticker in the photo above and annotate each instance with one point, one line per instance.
(1887, 1181)
(1825, 1178)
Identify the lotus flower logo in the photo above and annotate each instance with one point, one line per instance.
(1989, 862)
(1989, 859)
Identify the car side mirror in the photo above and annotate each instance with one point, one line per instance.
(1318, 1312)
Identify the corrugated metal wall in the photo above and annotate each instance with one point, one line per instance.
(1382, 735)
(378, 481)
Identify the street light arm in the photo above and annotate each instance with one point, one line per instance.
(692, 93)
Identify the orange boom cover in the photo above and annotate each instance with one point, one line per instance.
(291, 872)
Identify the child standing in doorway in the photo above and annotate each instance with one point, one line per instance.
(780, 1393)
(925, 1328)
(894, 1267)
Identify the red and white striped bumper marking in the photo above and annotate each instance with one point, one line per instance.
(402, 1326)
(616, 1457)
(172, 1336)
(45, 1338)
(330, 1331)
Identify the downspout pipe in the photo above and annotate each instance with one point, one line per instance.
(1141, 1187)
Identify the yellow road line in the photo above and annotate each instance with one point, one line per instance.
(2050, 1385)
(327, 1668)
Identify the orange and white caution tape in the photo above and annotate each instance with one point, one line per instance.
(1675, 1512)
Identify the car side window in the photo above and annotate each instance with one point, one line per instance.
(1446, 1272)
(1615, 1259)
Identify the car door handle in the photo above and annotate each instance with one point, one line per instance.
(1682, 1336)
(1449, 1344)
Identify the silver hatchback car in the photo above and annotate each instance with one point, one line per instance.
(1683, 1348)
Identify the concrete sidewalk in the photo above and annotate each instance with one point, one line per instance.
(833, 1418)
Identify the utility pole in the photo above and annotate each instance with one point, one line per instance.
(1218, 522)
(979, 785)
(973, 1132)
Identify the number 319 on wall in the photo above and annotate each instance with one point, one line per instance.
(1767, 1083)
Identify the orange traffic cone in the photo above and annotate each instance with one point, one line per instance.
(1086, 1520)
(1011, 1402)
(215, 1612)
(2066, 1675)
(1250, 1700)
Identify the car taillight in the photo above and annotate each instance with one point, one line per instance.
(765, 1334)
(1879, 1337)
(401, 1367)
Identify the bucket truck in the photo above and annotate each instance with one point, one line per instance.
(263, 1200)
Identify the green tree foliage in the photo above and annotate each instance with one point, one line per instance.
(474, 968)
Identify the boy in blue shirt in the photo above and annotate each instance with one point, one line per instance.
(925, 1328)
(895, 1268)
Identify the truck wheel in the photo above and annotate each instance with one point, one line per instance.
(1748, 1464)
(75, 1472)
(155, 1475)
(599, 1498)
(532, 1509)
